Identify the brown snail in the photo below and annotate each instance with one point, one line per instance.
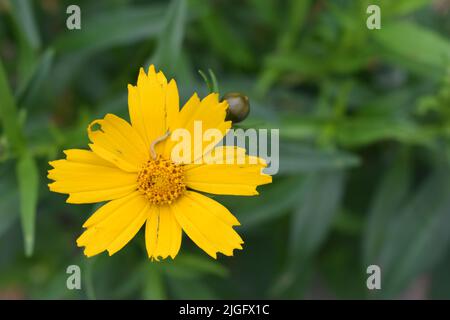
(238, 106)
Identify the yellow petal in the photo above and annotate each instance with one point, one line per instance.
(214, 208)
(225, 155)
(210, 230)
(104, 211)
(114, 140)
(172, 102)
(152, 104)
(240, 178)
(209, 112)
(99, 196)
(86, 156)
(162, 233)
(114, 225)
(87, 178)
(159, 76)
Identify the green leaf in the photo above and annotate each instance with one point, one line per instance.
(154, 287)
(192, 289)
(314, 67)
(170, 40)
(340, 268)
(29, 88)
(360, 131)
(440, 279)
(9, 115)
(397, 40)
(274, 201)
(28, 180)
(110, 29)
(357, 130)
(9, 198)
(318, 203)
(190, 265)
(223, 39)
(399, 7)
(22, 11)
(296, 158)
(89, 279)
(27, 37)
(296, 15)
(215, 84)
(388, 198)
(306, 127)
(103, 32)
(211, 82)
(26, 169)
(418, 235)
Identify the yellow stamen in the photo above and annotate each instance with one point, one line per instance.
(161, 181)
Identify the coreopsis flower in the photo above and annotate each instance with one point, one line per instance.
(131, 167)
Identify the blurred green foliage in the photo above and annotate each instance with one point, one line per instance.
(364, 119)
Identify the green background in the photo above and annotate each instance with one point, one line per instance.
(364, 119)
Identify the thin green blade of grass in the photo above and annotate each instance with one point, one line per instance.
(28, 179)
(22, 11)
(170, 39)
(26, 169)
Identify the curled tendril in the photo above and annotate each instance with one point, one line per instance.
(156, 141)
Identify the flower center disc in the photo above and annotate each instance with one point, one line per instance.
(161, 181)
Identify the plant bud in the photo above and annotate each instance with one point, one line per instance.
(238, 106)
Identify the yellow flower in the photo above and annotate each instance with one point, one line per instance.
(130, 165)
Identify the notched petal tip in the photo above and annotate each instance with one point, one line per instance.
(92, 131)
(153, 258)
(214, 256)
(213, 95)
(73, 200)
(52, 163)
(87, 254)
(151, 68)
(49, 173)
(231, 253)
(262, 162)
(224, 105)
(267, 178)
(79, 243)
(238, 247)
